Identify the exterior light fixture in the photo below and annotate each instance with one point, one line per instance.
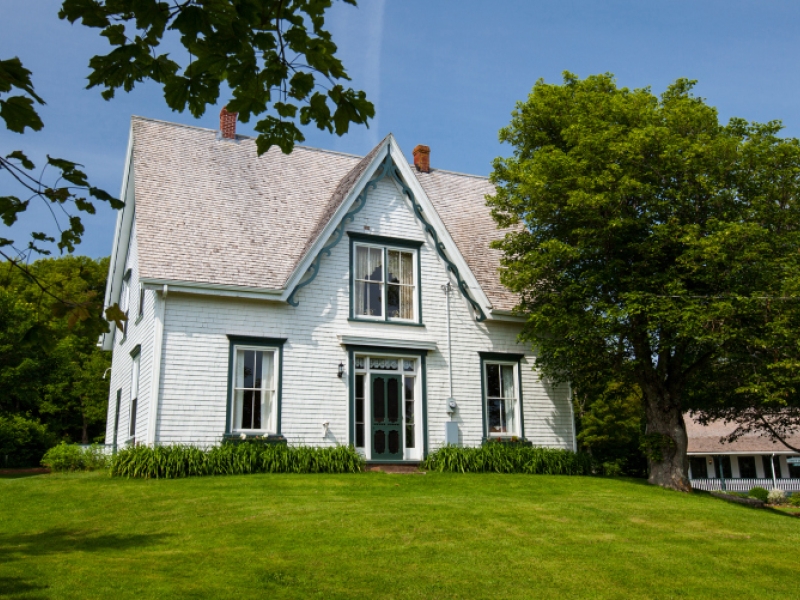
(341, 370)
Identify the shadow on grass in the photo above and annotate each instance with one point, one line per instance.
(22, 589)
(60, 541)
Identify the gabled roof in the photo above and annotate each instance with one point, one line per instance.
(212, 212)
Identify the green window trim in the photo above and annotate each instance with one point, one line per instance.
(387, 243)
(352, 350)
(261, 342)
(505, 358)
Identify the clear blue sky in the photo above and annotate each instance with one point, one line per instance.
(445, 73)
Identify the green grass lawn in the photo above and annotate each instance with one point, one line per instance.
(385, 536)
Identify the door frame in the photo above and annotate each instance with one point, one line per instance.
(378, 351)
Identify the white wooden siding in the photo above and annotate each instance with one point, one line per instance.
(140, 332)
(194, 384)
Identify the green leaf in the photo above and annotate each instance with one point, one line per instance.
(10, 207)
(18, 155)
(18, 113)
(114, 314)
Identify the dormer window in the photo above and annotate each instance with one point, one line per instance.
(385, 279)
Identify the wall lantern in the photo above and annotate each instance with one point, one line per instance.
(341, 370)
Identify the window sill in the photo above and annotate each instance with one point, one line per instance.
(379, 322)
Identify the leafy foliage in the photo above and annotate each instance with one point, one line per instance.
(71, 457)
(170, 462)
(23, 441)
(655, 247)
(610, 427)
(508, 458)
(759, 493)
(50, 367)
(275, 55)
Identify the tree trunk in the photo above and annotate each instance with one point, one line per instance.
(666, 442)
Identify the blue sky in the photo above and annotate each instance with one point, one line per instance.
(445, 73)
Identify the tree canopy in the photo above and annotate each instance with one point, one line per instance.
(656, 247)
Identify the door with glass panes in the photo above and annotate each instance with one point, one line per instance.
(387, 408)
(387, 417)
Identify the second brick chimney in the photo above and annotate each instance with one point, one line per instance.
(422, 158)
(227, 124)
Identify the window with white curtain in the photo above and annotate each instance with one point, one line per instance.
(254, 389)
(384, 283)
(501, 399)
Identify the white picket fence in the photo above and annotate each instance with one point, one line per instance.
(745, 485)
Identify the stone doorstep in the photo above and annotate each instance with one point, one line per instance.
(396, 469)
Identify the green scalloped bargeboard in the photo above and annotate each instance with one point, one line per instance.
(388, 169)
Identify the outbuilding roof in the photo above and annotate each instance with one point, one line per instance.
(211, 211)
(707, 439)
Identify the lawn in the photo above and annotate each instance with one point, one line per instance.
(385, 536)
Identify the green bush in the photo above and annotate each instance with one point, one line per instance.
(23, 441)
(795, 499)
(71, 457)
(760, 493)
(170, 462)
(501, 458)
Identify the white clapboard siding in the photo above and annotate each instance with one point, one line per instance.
(140, 332)
(194, 382)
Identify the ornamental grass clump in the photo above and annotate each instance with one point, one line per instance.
(502, 458)
(776, 496)
(172, 462)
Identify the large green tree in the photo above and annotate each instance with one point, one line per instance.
(656, 247)
(51, 369)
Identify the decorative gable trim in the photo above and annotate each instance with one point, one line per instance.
(395, 168)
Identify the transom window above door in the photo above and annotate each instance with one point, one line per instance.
(385, 280)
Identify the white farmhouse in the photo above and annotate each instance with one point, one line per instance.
(305, 297)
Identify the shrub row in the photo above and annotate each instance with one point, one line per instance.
(501, 458)
(71, 457)
(23, 441)
(171, 462)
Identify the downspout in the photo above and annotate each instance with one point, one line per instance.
(446, 289)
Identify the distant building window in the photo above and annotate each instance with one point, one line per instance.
(747, 467)
(698, 465)
(724, 465)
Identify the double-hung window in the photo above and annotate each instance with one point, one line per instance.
(385, 283)
(125, 300)
(255, 384)
(501, 396)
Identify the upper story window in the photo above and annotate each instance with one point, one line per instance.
(125, 300)
(385, 274)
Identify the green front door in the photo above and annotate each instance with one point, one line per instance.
(387, 417)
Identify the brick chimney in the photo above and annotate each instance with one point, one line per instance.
(227, 123)
(422, 158)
